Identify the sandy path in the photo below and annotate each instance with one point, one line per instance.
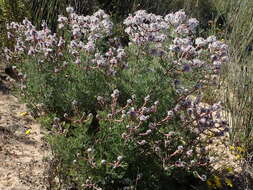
(22, 156)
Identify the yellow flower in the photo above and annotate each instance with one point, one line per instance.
(217, 182)
(23, 113)
(214, 182)
(230, 170)
(228, 182)
(232, 148)
(238, 156)
(240, 149)
(28, 131)
(209, 183)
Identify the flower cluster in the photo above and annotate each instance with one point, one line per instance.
(91, 28)
(182, 24)
(145, 28)
(114, 58)
(207, 54)
(219, 52)
(85, 32)
(171, 38)
(201, 120)
(31, 41)
(186, 52)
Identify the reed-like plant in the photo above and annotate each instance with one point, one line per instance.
(237, 81)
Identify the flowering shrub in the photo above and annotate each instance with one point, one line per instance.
(122, 142)
(72, 57)
(128, 146)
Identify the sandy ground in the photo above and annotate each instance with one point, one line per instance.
(22, 149)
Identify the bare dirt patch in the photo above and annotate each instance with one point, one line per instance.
(22, 149)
